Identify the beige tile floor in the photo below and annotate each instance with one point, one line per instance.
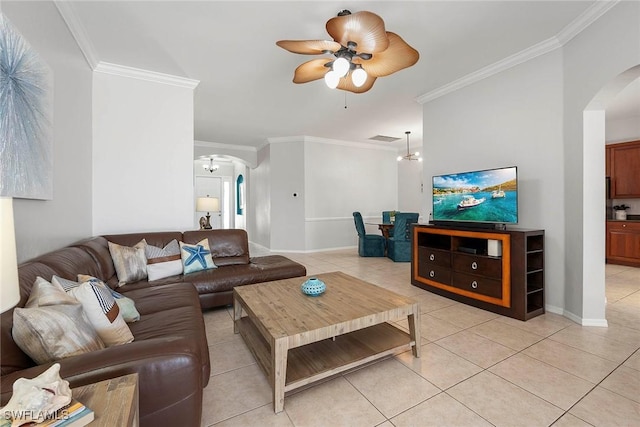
(477, 368)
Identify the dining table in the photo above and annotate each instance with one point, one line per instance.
(384, 227)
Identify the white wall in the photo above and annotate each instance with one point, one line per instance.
(623, 130)
(513, 118)
(341, 178)
(330, 179)
(259, 197)
(142, 155)
(42, 226)
(287, 210)
(410, 189)
(593, 59)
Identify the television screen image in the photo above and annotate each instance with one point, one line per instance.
(489, 196)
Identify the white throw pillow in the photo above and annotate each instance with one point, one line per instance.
(127, 305)
(101, 309)
(163, 262)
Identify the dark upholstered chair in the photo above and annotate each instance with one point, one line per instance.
(399, 242)
(386, 217)
(368, 244)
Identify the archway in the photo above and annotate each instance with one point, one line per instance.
(593, 302)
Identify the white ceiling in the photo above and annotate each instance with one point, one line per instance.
(246, 94)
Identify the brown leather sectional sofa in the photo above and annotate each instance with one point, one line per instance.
(170, 351)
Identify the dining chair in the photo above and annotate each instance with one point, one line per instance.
(369, 245)
(400, 237)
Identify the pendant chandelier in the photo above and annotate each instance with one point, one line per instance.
(409, 155)
(210, 167)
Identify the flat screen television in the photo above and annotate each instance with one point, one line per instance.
(484, 197)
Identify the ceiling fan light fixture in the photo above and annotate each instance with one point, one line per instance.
(341, 66)
(358, 37)
(332, 79)
(359, 76)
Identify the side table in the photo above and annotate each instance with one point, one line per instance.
(114, 402)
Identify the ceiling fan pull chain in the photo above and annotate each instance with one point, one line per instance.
(345, 100)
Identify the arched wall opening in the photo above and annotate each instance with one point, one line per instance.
(594, 195)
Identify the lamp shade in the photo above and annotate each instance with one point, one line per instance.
(9, 286)
(207, 204)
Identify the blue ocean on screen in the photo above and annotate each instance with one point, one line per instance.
(480, 196)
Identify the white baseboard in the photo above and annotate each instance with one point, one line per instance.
(577, 319)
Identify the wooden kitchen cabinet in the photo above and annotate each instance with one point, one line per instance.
(623, 243)
(623, 167)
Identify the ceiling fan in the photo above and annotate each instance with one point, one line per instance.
(363, 51)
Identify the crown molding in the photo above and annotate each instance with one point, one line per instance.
(534, 51)
(150, 76)
(78, 32)
(318, 140)
(225, 146)
(588, 17)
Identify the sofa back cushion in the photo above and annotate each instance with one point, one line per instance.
(228, 247)
(159, 239)
(69, 261)
(98, 248)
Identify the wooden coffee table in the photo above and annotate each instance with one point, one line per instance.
(297, 339)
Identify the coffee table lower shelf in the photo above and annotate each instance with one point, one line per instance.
(322, 359)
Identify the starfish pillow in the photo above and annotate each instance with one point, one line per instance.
(196, 257)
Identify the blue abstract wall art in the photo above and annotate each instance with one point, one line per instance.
(26, 146)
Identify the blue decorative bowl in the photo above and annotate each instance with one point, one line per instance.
(313, 287)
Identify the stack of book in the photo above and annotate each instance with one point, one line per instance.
(75, 414)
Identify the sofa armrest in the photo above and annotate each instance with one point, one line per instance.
(168, 371)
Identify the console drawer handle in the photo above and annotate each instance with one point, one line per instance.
(474, 284)
(474, 265)
(432, 273)
(432, 257)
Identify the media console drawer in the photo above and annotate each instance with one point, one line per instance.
(478, 264)
(477, 284)
(434, 272)
(435, 256)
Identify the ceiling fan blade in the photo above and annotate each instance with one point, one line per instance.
(366, 29)
(345, 83)
(398, 55)
(309, 47)
(311, 70)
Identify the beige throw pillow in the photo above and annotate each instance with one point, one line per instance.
(130, 262)
(51, 333)
(44, 293)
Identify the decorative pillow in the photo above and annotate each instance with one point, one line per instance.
(44, 293)
(163, 262)
(126, 305)
(101, 309)
(130, 262)
(54, 332)
(196, 257)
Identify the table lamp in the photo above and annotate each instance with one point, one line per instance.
(207, 204)
(9, 286)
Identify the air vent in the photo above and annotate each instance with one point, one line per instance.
(384, 138)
